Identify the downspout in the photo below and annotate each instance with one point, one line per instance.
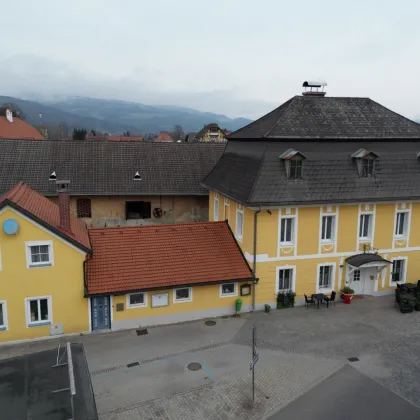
(254, 264)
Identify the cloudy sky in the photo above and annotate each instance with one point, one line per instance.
(237, 57)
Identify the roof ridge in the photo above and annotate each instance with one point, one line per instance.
(292, 100)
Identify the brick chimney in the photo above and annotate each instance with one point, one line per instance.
(64, 204)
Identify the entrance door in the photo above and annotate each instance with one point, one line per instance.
(370, 276)
(100, 313)
(357, 282)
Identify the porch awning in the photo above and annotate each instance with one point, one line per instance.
(367, 260)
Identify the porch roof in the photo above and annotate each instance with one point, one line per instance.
(361, 260)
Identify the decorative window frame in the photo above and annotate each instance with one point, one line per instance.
(142, 305)
(362, 155)
(328, 244)
(216, 207)
(230, 294)
(5, 325)
(370, 239)
(226, 204)
(29, 323)
(29, 263)
(287, 157)
(326, 289)
(406, 236)
(393, 283)
(239, 209)
(175, 300)
(285, 267)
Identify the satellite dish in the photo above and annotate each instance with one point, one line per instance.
(10, 227)
(9, 115)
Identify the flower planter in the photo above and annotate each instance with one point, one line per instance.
(347, 298)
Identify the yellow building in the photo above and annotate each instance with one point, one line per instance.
(42, 250)
(149, 275)
(323, 193)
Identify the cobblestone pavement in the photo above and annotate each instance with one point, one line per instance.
(298, 349)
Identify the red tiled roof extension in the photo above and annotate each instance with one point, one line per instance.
(18, 129)
(148, 257)
(164, 136)
(43, 209)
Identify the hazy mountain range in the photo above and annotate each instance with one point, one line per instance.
(115, 116)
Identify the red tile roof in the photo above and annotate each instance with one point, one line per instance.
(148, 257)
(164, 136)
(42, 209)
(125, 138)
(18, 129)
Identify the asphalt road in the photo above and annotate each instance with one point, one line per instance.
(348, 395)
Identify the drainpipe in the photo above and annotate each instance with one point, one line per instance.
(254, 265)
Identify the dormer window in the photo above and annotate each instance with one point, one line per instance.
(53, 176)
(293, 163)
(365, 161)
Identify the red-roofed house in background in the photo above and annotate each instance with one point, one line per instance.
(125, 138)
(164, 136)
(202, 274)
(12, 127)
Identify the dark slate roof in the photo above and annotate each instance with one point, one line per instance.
(252, 173)
(317, 117)
(108, 168)
(361, 259)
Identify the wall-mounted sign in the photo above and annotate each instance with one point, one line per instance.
(245, 290)
(160, 299)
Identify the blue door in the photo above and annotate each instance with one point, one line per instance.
(100, 313)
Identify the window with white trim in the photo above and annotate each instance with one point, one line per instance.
(136, 300)
(398, 271)
(368, 166)
(239, 222)
(365, 226)
(228, 289)
(216, 207)
(296, 166)
(325, 278)
(356, 275)
(401, 224)
(39, 254)
(38, 311)
(3, 315)
(287, 230)
(328, 228)
(183, 294)
(285, 280)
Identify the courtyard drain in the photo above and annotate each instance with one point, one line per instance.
(194, 366)
(353, 359)
(210, 323)
(133, 364)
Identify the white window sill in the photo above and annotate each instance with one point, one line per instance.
(229, 295)
(143, 305)
(400, 237)
(327, 241)
(325, 290)
(3, 328)
(39, 324)
(362, 239)
(182, 300)
(40, 265)
(287, 244)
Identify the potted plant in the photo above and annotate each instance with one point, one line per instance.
(282, 300)
(291, 298)
(347, 294)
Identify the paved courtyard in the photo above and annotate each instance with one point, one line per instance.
(303, 360)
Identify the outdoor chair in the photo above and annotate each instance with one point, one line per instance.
(308, 301)
(331, 299)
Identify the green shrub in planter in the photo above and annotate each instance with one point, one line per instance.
(285, 300)
(291, 297)
(347, 290)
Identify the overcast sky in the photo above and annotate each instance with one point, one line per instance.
(237, 57)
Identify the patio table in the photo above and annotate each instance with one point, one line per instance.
(319, 297)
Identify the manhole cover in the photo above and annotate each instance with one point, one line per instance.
(210, 323)
(194, 366)
(353, 359)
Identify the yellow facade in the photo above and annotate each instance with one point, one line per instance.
(204, 299)
(306, 252)
(61, 283)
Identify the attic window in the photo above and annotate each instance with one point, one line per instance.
(366, 162)
(53, 176)
(293, 163)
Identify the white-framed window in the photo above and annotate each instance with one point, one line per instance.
(401, 224)
(39, 254)
(3, 315)
(398, 270)
(356, 275)
(216, 207)
(328, 228)
(366, 226)
(228, 289)
(183, 294)
(326, 274)
(287, 230)
(38, 311)
(285, 279)
(239, 222)
(137, 300)
(226, 209)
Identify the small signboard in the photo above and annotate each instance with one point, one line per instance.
(254, 361)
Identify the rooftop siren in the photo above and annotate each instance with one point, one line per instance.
(314, 88)
(9, 115)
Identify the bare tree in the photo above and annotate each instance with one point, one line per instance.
(178, 133)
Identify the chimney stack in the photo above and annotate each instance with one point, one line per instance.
(64, 204)
(314, 88)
